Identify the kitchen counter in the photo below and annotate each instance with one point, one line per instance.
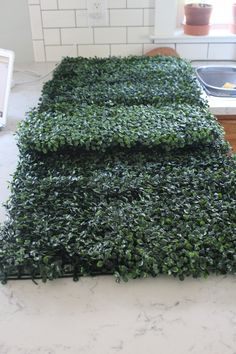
(97, 315)
(224, 108)
(218, 105)
(222, 105)
(42, 72)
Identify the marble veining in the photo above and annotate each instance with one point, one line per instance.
(97, 315)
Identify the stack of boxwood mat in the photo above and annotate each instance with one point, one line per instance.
(122, 171)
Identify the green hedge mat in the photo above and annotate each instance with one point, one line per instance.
(122, 171)
(129, 81)
(129, 215)
(96, 128)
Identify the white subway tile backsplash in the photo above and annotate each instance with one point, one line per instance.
(223, 51)
(72, 4)
(88, 51)
(124, 50)
(58, 18)
(107, 35)
(39, 51)
(33, 2)
(77, 35)
(149, 17)
(81, 18)
(36, 22)
(192, 51)
(126, 17)
(61, 27)
(139, 34)
(48, 4)
(51, 36)
(140, 3)
(56, 53)
(116, 4)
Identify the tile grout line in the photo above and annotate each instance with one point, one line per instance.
(60, 9)
(93, 29)
(60, 36)
(109, 17)
(96, 44)
(106, 27)
(41, 16)
(75, 18)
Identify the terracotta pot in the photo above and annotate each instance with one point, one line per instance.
(197, 19)
(196, 30)
(233, 25)
(197, 14)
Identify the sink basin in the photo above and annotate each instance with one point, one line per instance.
(213, 78)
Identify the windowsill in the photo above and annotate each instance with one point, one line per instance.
(215, 36)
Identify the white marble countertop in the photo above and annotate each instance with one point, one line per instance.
(96, 315)
(222, 105)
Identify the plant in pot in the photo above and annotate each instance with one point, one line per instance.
(233, 25)
(197, 15)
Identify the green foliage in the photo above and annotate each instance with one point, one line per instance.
(99, 128)
(133, 215)
(129, 81)
(122, 171)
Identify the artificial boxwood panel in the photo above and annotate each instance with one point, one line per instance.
(129, 81)
(122, 171)
(131, 215)
(86, 71)
(83, 71)
(97, 128)
(123, 93)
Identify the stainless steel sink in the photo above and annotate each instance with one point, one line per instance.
(214, 77)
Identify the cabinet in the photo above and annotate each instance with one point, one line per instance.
(229, 124)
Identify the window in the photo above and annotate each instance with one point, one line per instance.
(169, 17)
(222, 11)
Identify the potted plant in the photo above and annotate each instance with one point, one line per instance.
(233, 25)
(197, 16)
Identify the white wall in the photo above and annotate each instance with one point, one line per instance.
(60, 28)
(15, 33)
